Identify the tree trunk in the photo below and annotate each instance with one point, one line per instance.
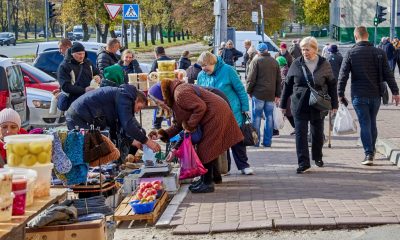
(105, 33)
(15, 15)
(137, 33)
(187, 34)
(85, 32)
(26, 30)
(145, 36)
(183, 35)
(152, 35)
(112, 33)
(161, 34)
(125, 35)
(174, 36)
(179, 36)
(52, 27)
(169, 31)
(35, 29)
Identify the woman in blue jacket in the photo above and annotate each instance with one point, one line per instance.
(215, 73)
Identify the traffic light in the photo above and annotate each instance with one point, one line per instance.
(379, 14)
(51, 10)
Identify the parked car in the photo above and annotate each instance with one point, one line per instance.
(7, 38)
(118, 33)
(12, 94)
(36, 78)
(39, 102)
(42, 34)
(53, 45)
(48, 61)
(78, 32)
(70, 36)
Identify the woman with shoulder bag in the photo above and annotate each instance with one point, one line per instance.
(312, 87)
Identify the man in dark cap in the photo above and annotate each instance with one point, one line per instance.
(75, 73)
(335, 59)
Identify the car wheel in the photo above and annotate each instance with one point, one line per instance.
(1, 44)
(15, 43)
(8, 43)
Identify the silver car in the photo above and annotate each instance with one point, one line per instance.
(39, 102)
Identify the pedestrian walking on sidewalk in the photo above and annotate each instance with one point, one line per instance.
(368, 67)
(318, 71)
(264, 89)
(217, 74)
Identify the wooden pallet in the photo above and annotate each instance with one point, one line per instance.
(124, 211)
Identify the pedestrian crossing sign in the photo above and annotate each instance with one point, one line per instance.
(131, 12)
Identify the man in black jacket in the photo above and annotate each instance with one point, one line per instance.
(363, 62)
(107, 56)
(75, 72)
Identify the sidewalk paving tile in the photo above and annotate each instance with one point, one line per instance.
(224, 227)
(342, 193)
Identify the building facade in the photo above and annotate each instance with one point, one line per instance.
(345, 15)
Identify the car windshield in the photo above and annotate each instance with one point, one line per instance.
(78, 30)
(36, 73)
(15, 80)
(3, 35)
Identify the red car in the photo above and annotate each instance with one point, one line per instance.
(36, 78)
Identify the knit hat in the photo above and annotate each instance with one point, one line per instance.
(262, 47)
(281, 61)
(333, 48)
(77, 47)
(10, 115)
(156, 91)
(283, 45)
(114, 73)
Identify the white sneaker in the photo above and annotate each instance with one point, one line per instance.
(248, 171)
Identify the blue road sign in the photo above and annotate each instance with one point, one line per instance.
(131, 12)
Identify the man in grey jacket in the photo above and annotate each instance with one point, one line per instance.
(264, 88)
(107, 56)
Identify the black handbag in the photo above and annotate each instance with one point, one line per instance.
(318, 100)
(249, 132)
(383, 87)
(94, 146)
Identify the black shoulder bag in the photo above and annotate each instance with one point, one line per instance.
(319, 101)
(382, 84)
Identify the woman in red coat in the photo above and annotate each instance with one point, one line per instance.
(10, 124)
(192, 106)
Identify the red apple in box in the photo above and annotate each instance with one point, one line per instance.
(139, 196)
(148, 185)
(156, 182)
(157, 186)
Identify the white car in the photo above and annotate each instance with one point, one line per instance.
(53, 45)
(38, 102)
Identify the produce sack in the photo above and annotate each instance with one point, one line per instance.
(344, 122)
(279, 121)
(190, 163)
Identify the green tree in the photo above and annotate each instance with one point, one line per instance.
(316, 12)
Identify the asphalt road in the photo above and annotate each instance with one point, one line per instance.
(19, 49)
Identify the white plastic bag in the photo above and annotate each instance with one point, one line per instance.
(279, 121)
(344, 123)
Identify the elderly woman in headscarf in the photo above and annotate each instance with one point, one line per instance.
(194, 106)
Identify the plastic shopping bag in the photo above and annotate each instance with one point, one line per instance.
(279, 121)
(190, 163)
(344, 122)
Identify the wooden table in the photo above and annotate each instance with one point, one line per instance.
(15, 228)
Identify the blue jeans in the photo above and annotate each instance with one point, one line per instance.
(367, 110)
(258, 108)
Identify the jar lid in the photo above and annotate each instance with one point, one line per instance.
(19, 183)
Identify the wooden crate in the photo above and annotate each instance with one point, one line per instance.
(124, 211)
